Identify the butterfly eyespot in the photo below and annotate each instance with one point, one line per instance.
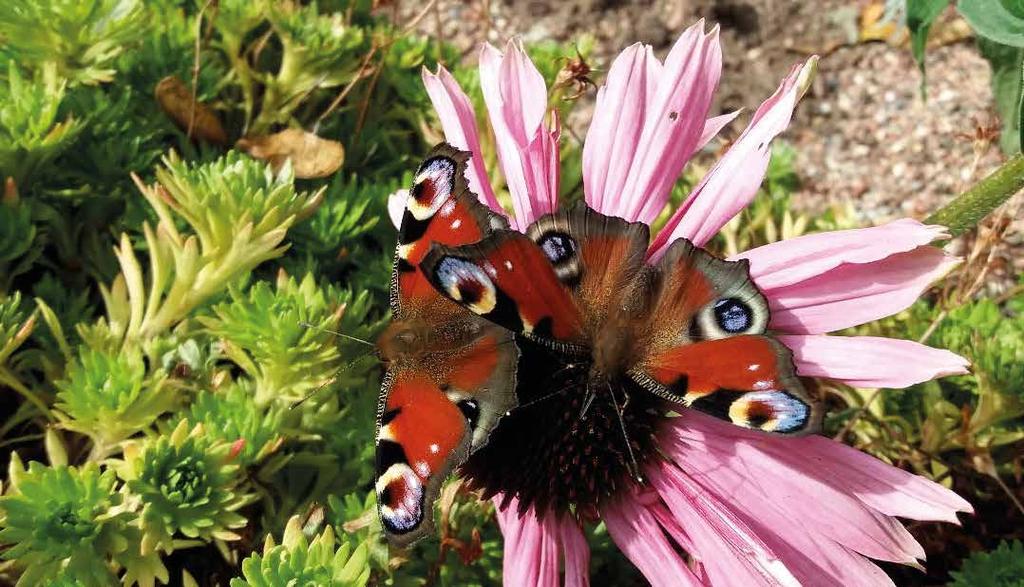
(727, 317)
(557, 247)
(770, 411)
(560, 249)
(434, 183)
(400, 494)
(467, 284)
(732, 315)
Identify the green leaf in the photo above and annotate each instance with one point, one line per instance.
(970, 207)
(1007, 65)
(920, 16)
(1002, 567)
(999, 20)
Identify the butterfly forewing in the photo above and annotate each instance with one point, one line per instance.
(507, 279)
(598, 257)
(451, 374)
(705, 346)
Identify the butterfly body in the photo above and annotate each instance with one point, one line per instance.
(690, 328)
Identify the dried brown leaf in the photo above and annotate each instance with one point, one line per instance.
(311, 156)
(175, 99)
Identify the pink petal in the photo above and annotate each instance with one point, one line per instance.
(516, 99)
(870, 361)
(396, 206)
(673, 124)
(576, 553)
(615, 128)
(886, 489)
(531, 547)
(797, 259)
(853, 294)
(724, 544)
(776, 468)
(733, 181)
(459, 123)
(813, 559)
(637, 533)
(714, 125)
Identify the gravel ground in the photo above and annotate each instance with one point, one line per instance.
(863, 133)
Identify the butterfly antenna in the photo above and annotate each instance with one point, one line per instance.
(332, 379)
(589, 399)
(336, 333)
(625, 435)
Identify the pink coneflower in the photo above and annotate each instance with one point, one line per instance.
(746, 508)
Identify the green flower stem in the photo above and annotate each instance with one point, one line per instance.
(970, 207)
(233, 49)
(7, 378)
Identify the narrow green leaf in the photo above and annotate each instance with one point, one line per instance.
(970, 207)
(1020, 101)
(999, 20)
(920, 16)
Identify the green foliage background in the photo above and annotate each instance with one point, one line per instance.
(179, 407)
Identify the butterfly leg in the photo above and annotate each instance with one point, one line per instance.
(625, 435)
(587, 401)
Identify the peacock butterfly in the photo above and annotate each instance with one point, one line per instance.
(595, 317)
(571, 310)
(450, 374)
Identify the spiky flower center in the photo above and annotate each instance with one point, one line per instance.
(565, 447)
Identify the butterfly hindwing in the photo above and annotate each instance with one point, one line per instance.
(451, 374)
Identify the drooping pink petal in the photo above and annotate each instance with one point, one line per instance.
(797, 259)
(724, 544)
(733, 181)
(459, 123)
(615, 128)
(856, 293)
(531, 547)
(886, 489)
(516, 98)
(576, 553)
(813, 559)
(638, 535)
(775, 468)
(673, 124)
(871, 361)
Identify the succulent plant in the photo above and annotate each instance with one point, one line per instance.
(185, 484)
(63, 521)
(233, 416)
(108, 396)
(321, 561)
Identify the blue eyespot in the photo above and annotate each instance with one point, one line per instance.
(732, 315)
(557, 247)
